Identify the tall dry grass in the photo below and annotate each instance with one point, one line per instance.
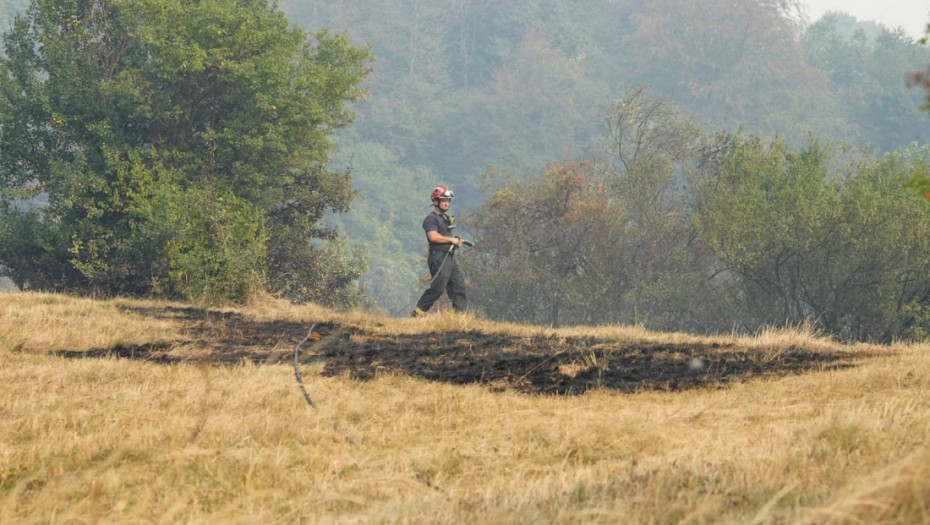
(129, 441)
(43, 322)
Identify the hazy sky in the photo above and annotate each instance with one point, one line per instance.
(911, 15)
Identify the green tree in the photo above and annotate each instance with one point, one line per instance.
(849, 251)
(183, 148)
(385, 220)
(526, 118)
(537, 238)
(866, 64)
(463, 85)
(650, 153)
(610, 241)
(729, 63)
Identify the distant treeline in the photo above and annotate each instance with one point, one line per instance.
(459, 86)
(189, 150)
(680, 229)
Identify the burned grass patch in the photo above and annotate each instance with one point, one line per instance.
(541, 365)
(533, 365)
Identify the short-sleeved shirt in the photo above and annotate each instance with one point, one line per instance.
(442, 224)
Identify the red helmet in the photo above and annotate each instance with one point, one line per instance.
(440, 192)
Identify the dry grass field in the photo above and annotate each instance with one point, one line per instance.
(127, 411)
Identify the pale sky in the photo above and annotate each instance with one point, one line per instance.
(910, 15)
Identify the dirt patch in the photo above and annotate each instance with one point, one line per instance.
(535, 365)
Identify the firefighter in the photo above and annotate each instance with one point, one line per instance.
(443, 267)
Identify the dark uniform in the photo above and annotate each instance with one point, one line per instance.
(443, 267)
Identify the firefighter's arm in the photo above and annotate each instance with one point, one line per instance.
(435, 238)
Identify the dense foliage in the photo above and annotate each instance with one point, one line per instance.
(603, 202)
(182, 148)
(679, 229)
(605, 242)
(849, 251)
(463, 85)
(867, 66)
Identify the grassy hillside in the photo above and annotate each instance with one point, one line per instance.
(127, 411)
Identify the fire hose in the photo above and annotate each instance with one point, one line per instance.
(300, 380)
(446, 256)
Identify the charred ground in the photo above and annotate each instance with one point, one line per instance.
(533, 365)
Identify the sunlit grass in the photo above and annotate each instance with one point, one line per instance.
(44, 322)
(128, 441)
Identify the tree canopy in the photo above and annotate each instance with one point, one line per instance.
(681, 229)
(182, 146)
(188, 150)
(463, 85)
